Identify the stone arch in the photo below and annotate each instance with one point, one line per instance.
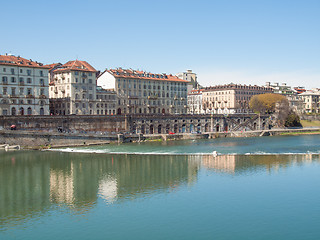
(151, 129)
(206, 127)
(168, 128)
(21, 111)
(175, 128)
(217, 128)
(42, 111)
(143, 129)
(159, 128)
(13, 111)
(192, 127)
(119, 111)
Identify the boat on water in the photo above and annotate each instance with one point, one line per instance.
(3, 146)
(13, 147)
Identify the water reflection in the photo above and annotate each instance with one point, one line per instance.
(31, 183)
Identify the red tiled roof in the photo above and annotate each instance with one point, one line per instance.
(76, 65)
(134, 74)
(19, 61)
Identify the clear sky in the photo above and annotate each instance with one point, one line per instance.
(239, 41)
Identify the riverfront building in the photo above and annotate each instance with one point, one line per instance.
(311, 101)
(73, 88)
(230, 98)
(140, 92)
(195, 102)
(23, 86)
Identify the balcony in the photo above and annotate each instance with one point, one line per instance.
(153, 97)
(29, 96)
(43, 96)
(133, 97)
(13, 96)
(21, 83)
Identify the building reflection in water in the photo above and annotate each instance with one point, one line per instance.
(35, 181)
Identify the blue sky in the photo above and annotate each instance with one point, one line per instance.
(247, 42)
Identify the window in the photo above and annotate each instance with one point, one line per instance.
(41, 91)
(21, 91)
(4, 69)
(13, 91)
(13, 79)
(90, 80)
(4, 80)
(12, 70)
(4, 91)
(29, 91)
(76, 73)
(41, 73)
(76, 80)
(21, 71)
(29, 80)
(90, 74)
(28, 72)
(41, 82)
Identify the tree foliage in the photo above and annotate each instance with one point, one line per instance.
(293, 120)
(267, 102)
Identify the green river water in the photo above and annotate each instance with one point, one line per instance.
(255, 188)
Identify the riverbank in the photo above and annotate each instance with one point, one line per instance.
(43, 140)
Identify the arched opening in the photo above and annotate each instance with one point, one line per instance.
(151, 129)
(168, 128)
(159, 128)
(183, 129)
(254, 126)
(13, 111)
(263, 125)
(143, 129)
(21, 111)
(191, 128)
(206, 127)
(175, 128)
(119, 111)
(226, 128)
(217, 128)
(163, 111)
(134, 129)
(199, 128)
(42, 111)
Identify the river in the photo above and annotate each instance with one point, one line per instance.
(255, 188)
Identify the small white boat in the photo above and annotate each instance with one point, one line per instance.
(13, 147)
(3, 146)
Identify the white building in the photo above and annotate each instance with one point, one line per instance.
(23, 86)
(141, 92)
(195, 102)
(73, 89)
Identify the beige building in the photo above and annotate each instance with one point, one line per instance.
(230, 98)
(311, 101)
(105, 101)
(140, 92)
(23, 87)
(191, 77)
(73, 89)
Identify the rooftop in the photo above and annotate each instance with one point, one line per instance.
(12, 60)
(76, 65)
(136, 74)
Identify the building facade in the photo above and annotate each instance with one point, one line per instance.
(140, 92)
(195, 102)
(230, 98)
(106, 100)
(23, 86)
(73, 89)
(311, 101)
(191, 77)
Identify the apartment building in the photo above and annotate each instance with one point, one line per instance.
(230, 98)
(191, 77)
(105, 101)
(195, 102)
(140, 92)
(23, 86)
(311, 101)
(73, 88)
